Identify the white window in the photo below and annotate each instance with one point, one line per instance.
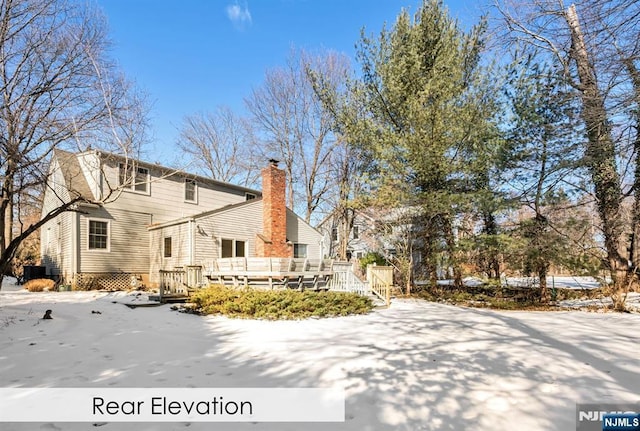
(98, 235)
(190, 190)
(299, 250)
(233, 248)
(138, 182)
(142, 180)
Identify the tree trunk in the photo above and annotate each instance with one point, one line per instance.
(600, 156)
(491, 230)
(345, 224)
(634, 240)
(544, 291)
(6, 213)
(451, 249)
(428, 253)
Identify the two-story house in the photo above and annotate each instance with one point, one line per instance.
(149, 217)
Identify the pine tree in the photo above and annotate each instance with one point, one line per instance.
(428, 123)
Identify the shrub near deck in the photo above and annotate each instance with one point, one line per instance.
(278, 304)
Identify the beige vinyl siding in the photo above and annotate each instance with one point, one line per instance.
(241, 223)
(165, 199)
(181, 255)
(56, 259)
(65, 254)
(300, 232)
(53, 256)
(180, 246)
(128, 243)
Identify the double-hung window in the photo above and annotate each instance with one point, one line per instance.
(98, 235)
(190, 190)
(133, 177)
(142, 180)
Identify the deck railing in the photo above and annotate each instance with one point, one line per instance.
(272, 272)
(381, 279)
(345, 280)
(178, 281)
(275, 272)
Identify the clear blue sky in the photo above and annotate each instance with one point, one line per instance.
(193, 55)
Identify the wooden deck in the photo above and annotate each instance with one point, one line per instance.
(271, 273)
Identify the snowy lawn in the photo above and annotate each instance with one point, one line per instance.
(415, 366)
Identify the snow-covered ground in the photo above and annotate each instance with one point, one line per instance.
(415, 366)
(564, 282)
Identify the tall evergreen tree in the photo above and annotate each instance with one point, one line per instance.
(428, 122)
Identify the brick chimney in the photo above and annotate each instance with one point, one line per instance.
(273, 240)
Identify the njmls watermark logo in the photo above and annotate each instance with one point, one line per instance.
(608, 417)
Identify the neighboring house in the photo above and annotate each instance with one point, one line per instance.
(358, 236)
(388, 232)
(160, 219)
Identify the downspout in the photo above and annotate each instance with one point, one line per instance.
(191, 242)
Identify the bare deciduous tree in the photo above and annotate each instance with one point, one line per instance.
(222, 145)
(296, 126)
(59, 90)
(591, 41)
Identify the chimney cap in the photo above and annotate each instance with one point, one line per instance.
(274, 162)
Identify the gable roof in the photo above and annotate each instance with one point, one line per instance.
(204, 214)
(76, 182)
(231, 207)
(173, 172)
